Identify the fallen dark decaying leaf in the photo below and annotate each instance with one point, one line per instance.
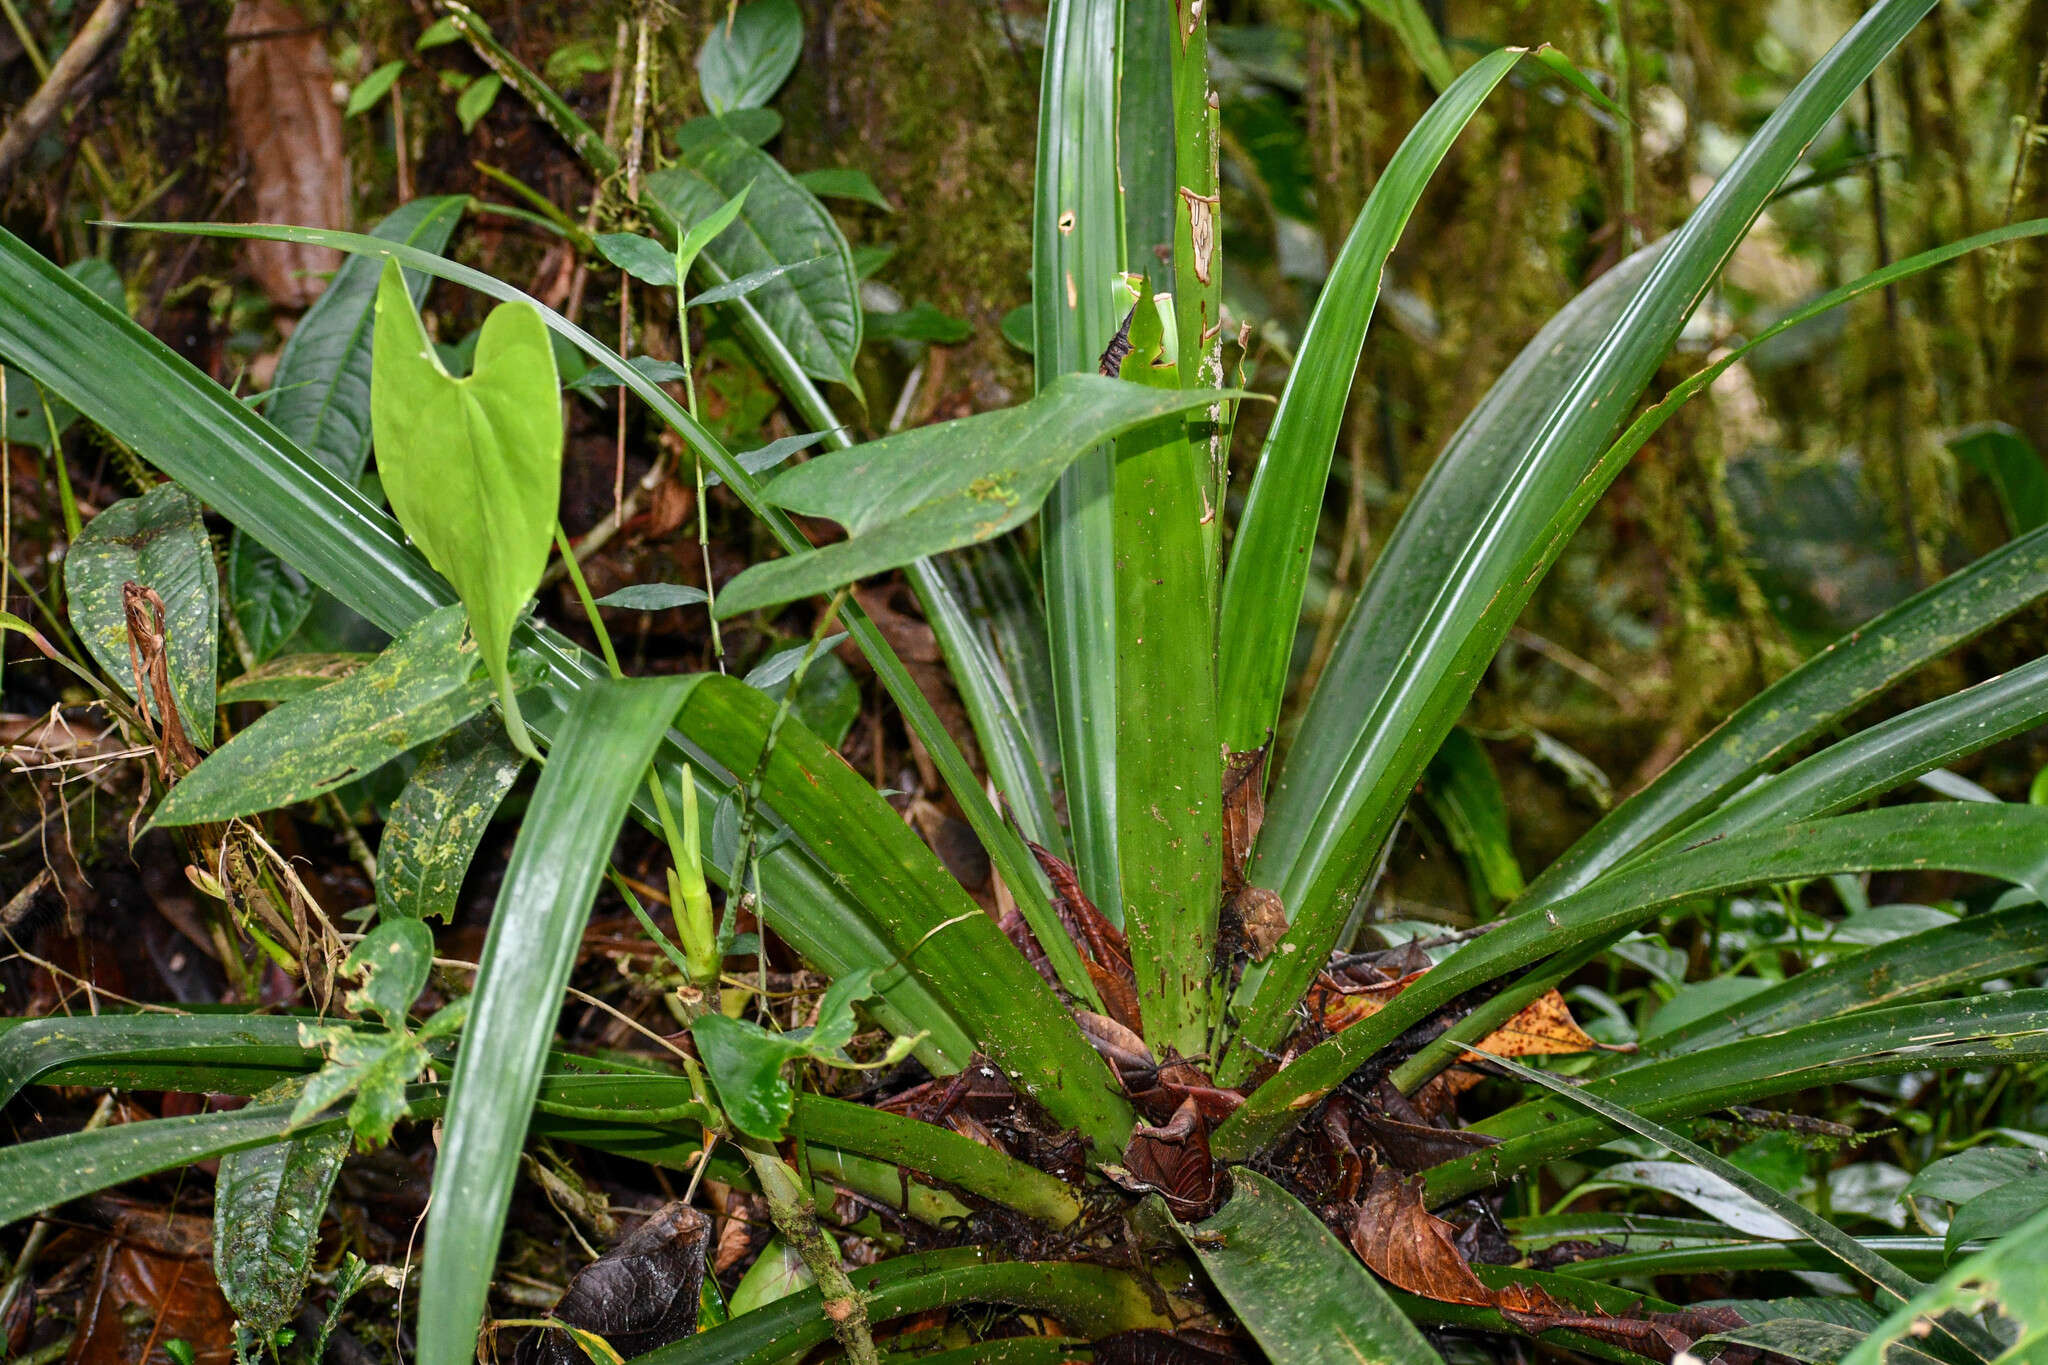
(639, 1296)
(1174, 1159)
(153, 1285)
(1414, 1250)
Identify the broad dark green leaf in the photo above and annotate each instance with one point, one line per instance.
(439, 819)
(159, 541)
(472, 466)
(1997, 1212)
(612, 731)
(321, 400)
(2008, 460)
(1302, 1292)
(1075, 251)
(1960, 1178)
(267, 1206)
(815, 312)
(643, 258)
(426, 683)
(1479, 580)
(828, 700)
(1269, 557)
(749, 53)
(1998, 841)
(920, 322)
(936, 488)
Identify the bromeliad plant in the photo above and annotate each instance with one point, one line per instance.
(1166, 1027)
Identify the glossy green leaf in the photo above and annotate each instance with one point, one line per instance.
(1302, 1292)
(828, 699)
(423, 685)
(745, 1063)
(611, 733)
(1807, 701)
(645, 259)
(938, 1151)
(1998, 1212)
(844, 182)
(2002, 841)
(935, 488)
(267, 1206)
(290, 677)
(2008, 460)
(1076, 249)
(392, 962)
(928, 922)
(1960, 1178)
(1269, 557)
(476, 100)
(1091, 1299)
(159, 541)
(1471, 594)
(815, 312)
(372, 88)
(472, 466)
(29, 410)
(440, 817)
(206, 1043)
(753, 282)
(35, 1176)
(749, 53)
(1168, 765)
(653, 597)
(1461, 787)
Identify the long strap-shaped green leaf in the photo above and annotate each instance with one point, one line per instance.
(1940, 1035)
(1839, 777)
(983, 679)
(1850, 1252)
(1491, 573)
(931, 925)
(599, 759)
(153, 400)
(1300, 1290)
(2009, 842)
(1268, 572)
(1091, 1299)
(1076, 247)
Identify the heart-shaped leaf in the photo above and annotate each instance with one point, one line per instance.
(473, 466)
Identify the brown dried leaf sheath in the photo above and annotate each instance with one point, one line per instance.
(288, 131)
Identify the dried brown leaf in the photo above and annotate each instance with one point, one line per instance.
(288, 130)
